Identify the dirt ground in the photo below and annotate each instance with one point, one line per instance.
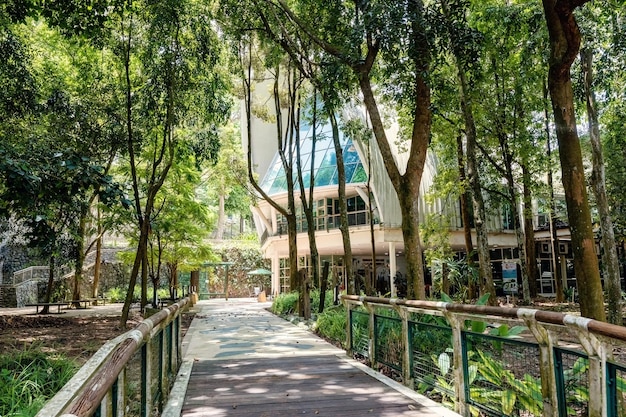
(78, 337)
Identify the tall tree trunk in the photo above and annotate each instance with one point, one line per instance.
(98, 260)
(480, 218)
(407, 185)
(554, 238)
(343, 208)
(565, 45)
(529, 232)
(610, 262)
(80, 253)
(369, 275)
(324, 286)
(482, 241)
(307, 202)
(465, 216)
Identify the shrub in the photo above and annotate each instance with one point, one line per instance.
(30, 378)
(331, 324)
(285, 303)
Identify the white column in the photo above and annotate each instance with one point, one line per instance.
(392, 268)
(275, 275)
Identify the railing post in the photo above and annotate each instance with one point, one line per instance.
(407, 374)
(371, 329)
(597, 352)
(547, 368)
(348, 306)
(119, 395)
(163, 376)
(459, 360)
(146, 378)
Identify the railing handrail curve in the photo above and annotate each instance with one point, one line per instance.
(542, 316)
(82, 395)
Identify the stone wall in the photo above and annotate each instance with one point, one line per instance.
(8, 297)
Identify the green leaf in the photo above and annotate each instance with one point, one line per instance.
(508, 401)
(443, 362)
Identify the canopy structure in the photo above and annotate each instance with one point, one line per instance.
(260, 274)
(260, 271)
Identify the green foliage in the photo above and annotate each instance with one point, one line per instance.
(331, 324)
(118, 295)
(315, 300)
(498, 388)
(285, 303)
(29, 378)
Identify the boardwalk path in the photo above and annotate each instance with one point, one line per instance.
(241, 360)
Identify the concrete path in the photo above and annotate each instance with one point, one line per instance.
(241, 360)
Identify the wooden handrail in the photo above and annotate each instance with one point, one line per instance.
(84, 393)
(541, 316)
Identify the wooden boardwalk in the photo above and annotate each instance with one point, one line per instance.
(247, 362)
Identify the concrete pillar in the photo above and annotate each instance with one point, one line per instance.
(392, 268)
(275, 275)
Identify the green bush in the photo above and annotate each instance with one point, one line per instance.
(285, 303)
(30, 378)
(331, 324)
(116, 295)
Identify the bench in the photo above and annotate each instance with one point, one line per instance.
(57, 304)
(85, 302)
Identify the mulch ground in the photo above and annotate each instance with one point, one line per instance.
(77, 338)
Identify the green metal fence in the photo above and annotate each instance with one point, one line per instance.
(491, 361)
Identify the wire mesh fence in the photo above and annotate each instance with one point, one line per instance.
(389, 345)
(503, 375)
(432, 358)
(572, 376)
(359, 325)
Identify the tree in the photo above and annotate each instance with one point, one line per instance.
(564, 47)
(169, 58)
(463, 60)
(358, 36)
(610, 262)
(179, 226)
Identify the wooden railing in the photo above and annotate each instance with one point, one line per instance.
(130, 375)
(492, 360)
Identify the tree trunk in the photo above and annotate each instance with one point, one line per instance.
(409, 206)
(307, 203)
(610, 262)
(80, 254)
(96, 267)
(565, 44)
(324, 286)
(48, 299)
(529, 232)
(465, 216)
(554, 239)
(482, 241)
(350, 276)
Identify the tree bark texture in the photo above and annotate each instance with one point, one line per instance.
(610, 262)
(465, 216)
(565, 44)
(343, 206)
(529, 232)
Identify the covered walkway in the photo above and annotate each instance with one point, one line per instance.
(240, 360)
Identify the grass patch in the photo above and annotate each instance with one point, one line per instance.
(30, 378)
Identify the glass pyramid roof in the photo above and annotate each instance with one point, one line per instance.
(324, 160)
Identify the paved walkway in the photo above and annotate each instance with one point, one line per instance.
(240, 360)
